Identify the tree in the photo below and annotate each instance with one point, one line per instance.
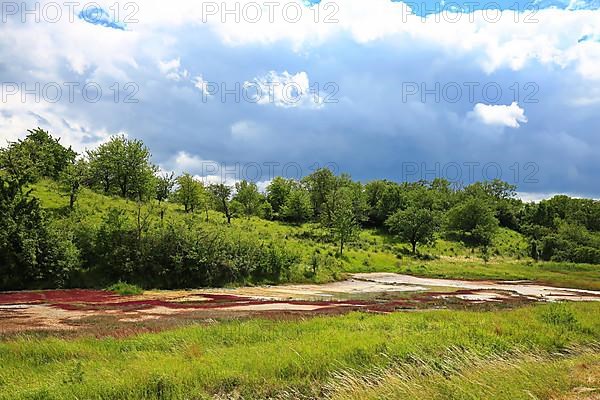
(500, 196)
(473, 221)
(278, 191)
(222, 195)
(320, 185)
(383, 198)
(125, 164)
(101, 167)
(72, 178)
(33, 252)
(189, 192)
(164, 186)
(344, 223)
(249, 198)
(413, 225)
(37, 156)
(297, 207)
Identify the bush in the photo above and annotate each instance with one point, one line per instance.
(182, 254)
(125, 289)
(34, 253)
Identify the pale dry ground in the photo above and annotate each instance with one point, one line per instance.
(533, 291)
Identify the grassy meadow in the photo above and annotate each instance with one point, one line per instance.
(531, 352)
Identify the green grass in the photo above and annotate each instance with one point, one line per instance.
(372, 252)
(260, 358)
(464, 376)
(125, 289)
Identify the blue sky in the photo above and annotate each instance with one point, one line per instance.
(369, 86)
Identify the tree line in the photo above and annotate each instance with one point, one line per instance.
(36, 249)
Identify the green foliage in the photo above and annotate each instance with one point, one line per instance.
(414, 225)
(278, 191)
(190, 193)
(383, 198)
(37, 156)
(344, 219)
(560, 315)
(164, 186)
(125, 289)
(372, 251)
(473, 221)
(33, 252)
(222, 199)
(72, 179)
(122, 166)
(320, 184)
(181, 254)
(297, 207)
(249, 198)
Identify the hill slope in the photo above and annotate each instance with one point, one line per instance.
(373, 251)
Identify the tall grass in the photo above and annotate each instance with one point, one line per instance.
(261, 358)
(467, 375)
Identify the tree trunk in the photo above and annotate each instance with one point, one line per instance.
(226, 209)
(414, 247)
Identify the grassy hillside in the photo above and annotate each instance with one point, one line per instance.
(373, 252)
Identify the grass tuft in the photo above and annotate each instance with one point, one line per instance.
(125, 289)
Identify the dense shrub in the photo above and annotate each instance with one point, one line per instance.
(125, 289)
(33, 252)
(181, 254)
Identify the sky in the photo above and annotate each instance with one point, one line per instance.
(233, 90)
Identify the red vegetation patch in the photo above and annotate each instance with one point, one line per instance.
(55, 296)
(215, 301)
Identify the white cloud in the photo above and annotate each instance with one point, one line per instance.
(504, 39)
(209, 172)
(201, 84)
(499, 115)
(284, 90)
(168, 66)
(172, 70)
(17, 116)
(536, 197)
(190, 163)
